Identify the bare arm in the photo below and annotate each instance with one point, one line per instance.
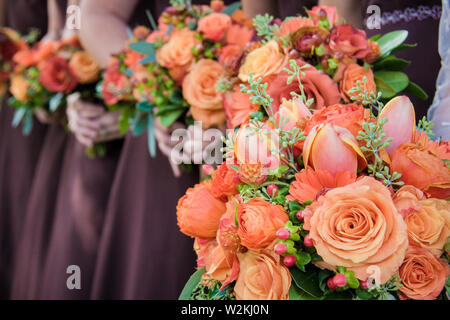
(55, 21)
(104, 27)
(348, 9)
(255, 7)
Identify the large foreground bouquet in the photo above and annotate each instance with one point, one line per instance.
(317, 199)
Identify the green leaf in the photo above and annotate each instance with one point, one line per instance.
(143, 47)
(138, 123)
(390, 41)
(151, 139)
(375, 37)
(414, 90)
(295, 293)
(391, 63)
(390, 82)
(339, 295)
(144, 106)
(307, 281)
(404, 46)
(363, 294)
(167, 119)
(56, 101)
(124, 120)
(192, 283)
(162, 110)
(303, 258)
(148, 59)
(231, 8)
(18, 116)
(27, 122)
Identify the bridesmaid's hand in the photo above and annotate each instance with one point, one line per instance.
(165, 143)
(49, 118)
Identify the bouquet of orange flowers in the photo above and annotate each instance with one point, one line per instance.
(338, 201)
(46, 74)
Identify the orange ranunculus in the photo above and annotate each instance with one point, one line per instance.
(239, 35)
(374, 53)
(309, 184)
(290, 113)
(214, 26)
(317, 12)
(225, 181)
(238, 107)
(254, 174)
(199, 212)
(84, 67)
(422, 168)
(348, 116)
(18, 87)
(28, 57)
(132, 59)
(441, 149)
(358, 226)
(292, 24)
(56, 75)
(177, 52)
(352, 74)
(407, 200)
(199, 87)
(263, 61)
(259, 222)
(326, 142)
(350, 41)
(401, 121)
(429, 226)
(317, 85)
(423, 275)
(262, 277)
(230, 55)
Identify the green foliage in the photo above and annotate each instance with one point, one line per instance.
(263, 27)
(426, 126)
(364, 96)
(258, 94)
(229, 10)
(385, 291)
(390, 41)
(211, 291)
(390, 83)
(295, 72)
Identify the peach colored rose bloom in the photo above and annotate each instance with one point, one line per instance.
(238, 107)
(259, 222)
(358, 226)
(84, 67)
(429, 226)
(230, 55)
(199, 212)
(239, 35)
(423, 275)
(18, 87)
(214, 26)
(262, 277)
(199, 89)
(352, 74)
(262, 62)
(407, 200)
(292, 24)
(209, 118)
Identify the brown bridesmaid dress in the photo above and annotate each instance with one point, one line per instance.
(18, 153)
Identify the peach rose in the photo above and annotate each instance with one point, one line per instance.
(352, 74)
(199, 212)
(422, 168)
(214, 26)
(423, 275)
(84, 67)
(263, 61)
(230, 56)
(262, 277)
(225, 181)
(291, 112)
(316, 85)
(358, 226)
(238, 107)
(18, 87)
(407, 200)
(239, 35)
(429, 226)
(259, 222)
(350, 41)
(208, 118)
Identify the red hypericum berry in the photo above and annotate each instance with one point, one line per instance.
(331, 284)
(340, 280)
(300, 216)
(280, 248)
(308, 241)
(207, 169)
(366, 284)
(283, 234)
(272, 190)
(289, 261)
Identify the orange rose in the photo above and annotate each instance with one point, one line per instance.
(56, 75)
(358, 226)
(214, 26)
(352, 74)
(238, 107)
(199, 212)
(84, 67)
(263, 61)
(230, 56)
(429, 226)
(199, 88)
(177, 53)
(18, 87)
(224, 181)
(259, 222)
(374, 52)
(422, 168)
(423, 275)
(262, 277)
(239, 35)
(407, 199)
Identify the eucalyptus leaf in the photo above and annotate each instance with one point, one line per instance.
(143, 47)
(18, 116)
(191, 284)
(56, 101)
(138, 123)
(151, 140)
(27, 122)
(229, 10)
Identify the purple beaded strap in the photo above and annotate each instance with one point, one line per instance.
(409, 14)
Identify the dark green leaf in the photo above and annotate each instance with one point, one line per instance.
(307, 281)
(192, 283)
(390, 41)
(363, 294)
(144, 106)
(143, 47)
(339, 295)
(404, 46)
(151, 140)
(391, 63)
(296, 293)
(231, 8)
(390, 82)
(55, 101)
(415, 90)
(167, 119)
(375, 37)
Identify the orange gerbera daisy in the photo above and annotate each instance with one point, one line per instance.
(310, 183)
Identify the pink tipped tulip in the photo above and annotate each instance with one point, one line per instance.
(401, 121)
(332, 148)
(290, 113)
